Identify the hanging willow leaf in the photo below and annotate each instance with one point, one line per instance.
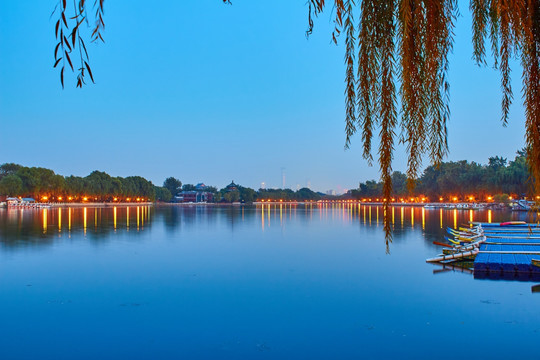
(56, 50)
(350, 91)
(56, 28)
(73, 42)
(66, 43)
(69, 60)
(83, 46)
(89, 71)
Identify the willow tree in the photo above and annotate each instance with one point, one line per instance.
(396, 52)
(407, 42)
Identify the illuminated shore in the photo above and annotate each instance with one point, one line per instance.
(100, 204)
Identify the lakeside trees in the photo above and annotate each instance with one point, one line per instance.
(162, 194)
(41, 183)
(454, 179)
(461, 179)
(288, 194)
(173, 185)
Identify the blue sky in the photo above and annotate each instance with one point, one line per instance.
(209, 92)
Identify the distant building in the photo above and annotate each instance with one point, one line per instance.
(199, 195)
(194, 197)
(200, 187)
(231, 187)
(331, 192)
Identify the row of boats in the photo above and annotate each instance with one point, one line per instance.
(519, 205)
(495, 241)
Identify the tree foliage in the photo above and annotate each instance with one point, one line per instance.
(162, 194)
(11, 184)
(406, 43)
(70, 36)
(396, 53)
(17, 180)
(173, 185)
(288, 194)
(458, 179)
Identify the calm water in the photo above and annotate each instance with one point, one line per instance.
(279, 282)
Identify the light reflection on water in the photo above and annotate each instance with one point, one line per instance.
(266, 281)
(24, 221)
(20, 224)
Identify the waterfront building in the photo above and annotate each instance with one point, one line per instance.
(199, 195)
(231, 187)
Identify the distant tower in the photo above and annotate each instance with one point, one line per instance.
(297, 187)
(309, 185)
(283, 178)
(263, 185)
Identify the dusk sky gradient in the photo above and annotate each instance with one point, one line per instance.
(207, 92)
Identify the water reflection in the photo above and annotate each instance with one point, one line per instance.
(18, 225)
(84, 220)
(44, 221)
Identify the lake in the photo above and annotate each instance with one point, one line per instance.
(255, 282)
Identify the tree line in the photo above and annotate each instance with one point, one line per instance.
(45, 184)
(459, 179)
(243, 194)
(449, 180)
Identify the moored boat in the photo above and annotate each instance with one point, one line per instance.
(507, 224)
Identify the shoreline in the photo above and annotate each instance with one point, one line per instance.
(449, 206)
(74, 204)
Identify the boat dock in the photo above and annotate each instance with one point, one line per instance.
(502, 250)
